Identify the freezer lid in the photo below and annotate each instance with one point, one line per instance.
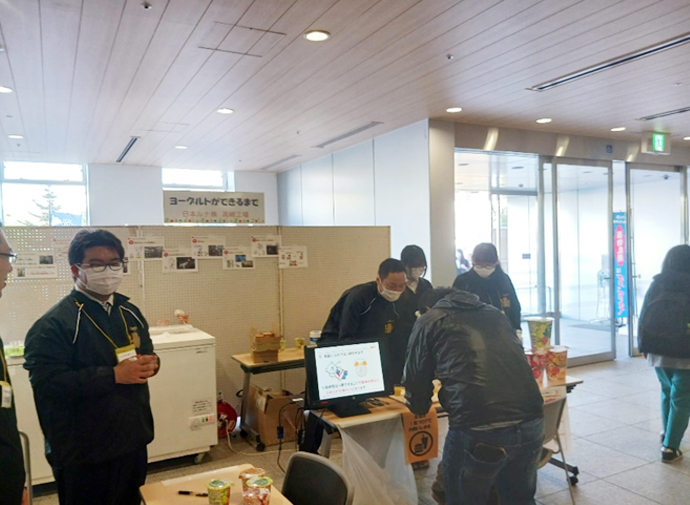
(178, 336)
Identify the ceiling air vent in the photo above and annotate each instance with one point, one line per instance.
(279, 162)
(348, 134)
(664, 114)
(621, 60)
(130, 144)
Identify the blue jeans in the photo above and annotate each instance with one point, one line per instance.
(675, 404)
(468, 479)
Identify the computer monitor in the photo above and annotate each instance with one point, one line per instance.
(341, 375)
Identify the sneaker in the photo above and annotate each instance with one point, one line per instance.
(669, 455)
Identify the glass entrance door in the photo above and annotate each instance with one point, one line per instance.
(582, 232)
(656, 206)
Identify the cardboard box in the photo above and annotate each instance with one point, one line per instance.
(265, 356)
(262, 343)
(263, 407)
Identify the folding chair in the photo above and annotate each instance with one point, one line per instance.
(552, 419)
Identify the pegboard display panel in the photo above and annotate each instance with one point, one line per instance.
(25, 300)
(225, 303)
(339, 258)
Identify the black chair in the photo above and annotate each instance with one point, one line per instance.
(311, 479)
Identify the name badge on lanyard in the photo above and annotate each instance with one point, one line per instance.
(126, 352)
(6, 395)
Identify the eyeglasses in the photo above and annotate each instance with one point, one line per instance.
(11, 257)
(99, 267)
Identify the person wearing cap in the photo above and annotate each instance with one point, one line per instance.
(12, 475)
(490, 283)
(89, 359)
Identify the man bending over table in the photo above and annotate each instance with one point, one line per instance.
(495, 410)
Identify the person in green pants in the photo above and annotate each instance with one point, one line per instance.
(664, 338)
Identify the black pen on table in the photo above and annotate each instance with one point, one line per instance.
(192, 493)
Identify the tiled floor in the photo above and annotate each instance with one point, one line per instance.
(614, 417)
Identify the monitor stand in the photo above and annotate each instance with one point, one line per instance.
(348, 409)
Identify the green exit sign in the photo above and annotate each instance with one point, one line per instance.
(658, 142)
(655, 143)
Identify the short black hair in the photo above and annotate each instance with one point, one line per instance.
(390, 266)
(485, 253)
(413, 256)
(87, 239)
(432, 297)
(677, 259)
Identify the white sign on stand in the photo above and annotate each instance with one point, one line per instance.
(213, 207)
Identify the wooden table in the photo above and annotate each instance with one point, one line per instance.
(165, 492)
(288, 359)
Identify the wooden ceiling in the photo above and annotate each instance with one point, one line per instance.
(89, 74)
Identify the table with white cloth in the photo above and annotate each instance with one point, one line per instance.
(374, 456)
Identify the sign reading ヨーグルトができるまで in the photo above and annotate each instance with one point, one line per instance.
(213, 207)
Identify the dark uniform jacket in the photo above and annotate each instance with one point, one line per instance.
(472, 349)
(496, 290)
(85, 416)
(11, 459)
(362, 313)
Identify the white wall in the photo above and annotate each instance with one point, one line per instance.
(382, 182)
(261, 182)
(122, 194)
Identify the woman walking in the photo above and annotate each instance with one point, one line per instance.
(664, 338)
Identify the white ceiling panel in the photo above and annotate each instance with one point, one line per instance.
(89, 74)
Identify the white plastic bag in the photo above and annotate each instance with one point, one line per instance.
(374, 461)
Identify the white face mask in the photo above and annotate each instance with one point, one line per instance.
(389, 295)
(484, 271)
(415, 273)
(103, 283)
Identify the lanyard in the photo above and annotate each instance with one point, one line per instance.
(129, 337)
(4, 367)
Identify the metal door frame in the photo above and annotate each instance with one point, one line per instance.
(632, 291)
(608, 165)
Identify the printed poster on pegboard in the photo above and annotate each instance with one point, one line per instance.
(421, 436)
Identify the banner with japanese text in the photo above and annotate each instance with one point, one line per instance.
(213, 207)
(620, 274)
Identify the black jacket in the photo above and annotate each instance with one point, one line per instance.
(496, 290)
(85, 416)
(362, 313)
(479, 360)
(664, 324)
(11, 458)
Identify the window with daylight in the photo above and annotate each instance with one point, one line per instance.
(182, 179)
(43, 194)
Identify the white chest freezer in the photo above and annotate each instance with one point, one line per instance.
(183, 398)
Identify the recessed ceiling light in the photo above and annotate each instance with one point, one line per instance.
(180, 147)
(453, 110)
(225, 110)
(3, 89)
(618, 129)
(686, 138)
(15, 136)
(544, 120)
(317, 35)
